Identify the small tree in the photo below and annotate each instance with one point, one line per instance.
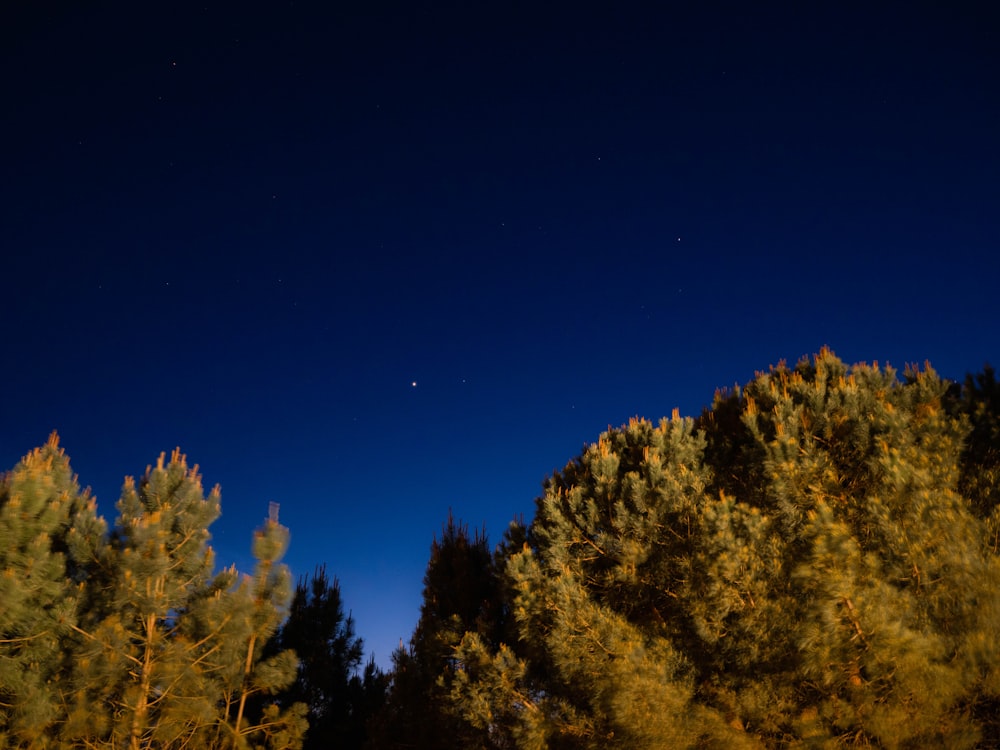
(368, 695)
(461, 594)
(978, 401)
(329, 653)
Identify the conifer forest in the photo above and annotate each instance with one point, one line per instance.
(811, 562)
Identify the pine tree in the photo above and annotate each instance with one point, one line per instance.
(236, 630)
(596, 660)
(883, 555)
(797, 566)
(978, 401)
(329, 653)
(49, 531)
(461, 594)
(368, 696)
(135, 666)
(170, 652)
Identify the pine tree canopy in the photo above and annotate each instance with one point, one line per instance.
(811, 562)
(127, 638)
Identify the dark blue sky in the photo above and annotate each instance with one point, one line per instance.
(247, 230)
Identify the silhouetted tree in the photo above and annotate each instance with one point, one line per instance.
(978, 400)
(461, 594)
(368, 695)
(340, 700)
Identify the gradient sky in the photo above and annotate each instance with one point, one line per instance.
(248, 230)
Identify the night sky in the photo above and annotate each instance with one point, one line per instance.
(373, 261)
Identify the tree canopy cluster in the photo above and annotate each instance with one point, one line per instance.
(127, 637)
(814, 561)
(811, 562)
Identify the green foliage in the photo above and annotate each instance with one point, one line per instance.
(127, 638)
(808, 563)
(47, 530)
